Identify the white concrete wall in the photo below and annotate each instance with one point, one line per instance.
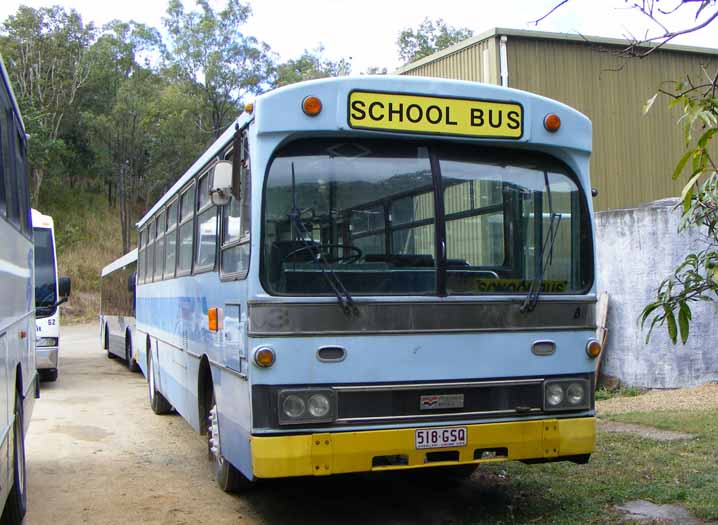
(637, 248)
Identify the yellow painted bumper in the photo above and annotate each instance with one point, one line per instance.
(342, 452)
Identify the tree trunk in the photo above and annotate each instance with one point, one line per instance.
(37, 176)
(122, 198)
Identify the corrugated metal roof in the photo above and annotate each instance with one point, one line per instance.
(524, 33)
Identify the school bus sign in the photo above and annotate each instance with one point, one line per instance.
(444, 116)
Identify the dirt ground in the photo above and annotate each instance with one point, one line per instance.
(97, 454)
(703, 397)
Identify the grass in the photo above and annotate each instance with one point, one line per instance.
(88, 237)
(623, 468)
(603, 393)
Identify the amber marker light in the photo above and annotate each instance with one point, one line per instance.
(264, 357)
(311, 106)
(213, 319)
(552, 122)
(249, 107)
(593, 348)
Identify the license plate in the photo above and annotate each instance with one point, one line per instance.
(440, 437)
(407, 113)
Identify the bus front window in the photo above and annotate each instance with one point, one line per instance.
(45, 284)
(367, 214)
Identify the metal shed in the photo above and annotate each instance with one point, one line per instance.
(634, 154)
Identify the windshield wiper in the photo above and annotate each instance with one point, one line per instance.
(343, 296)
(546, 255)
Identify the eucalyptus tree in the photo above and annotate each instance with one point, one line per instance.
(46, 54)
(310, 65)
(430, 36)
(218, 63)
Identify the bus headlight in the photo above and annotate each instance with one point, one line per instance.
(46, 341)
(554, 395)
(306, 406)
(293, 406)
(567, 394)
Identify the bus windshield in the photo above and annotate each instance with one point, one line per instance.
(45, 282)
(422, 218)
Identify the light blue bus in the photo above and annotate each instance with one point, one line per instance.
(18, 375)
(377, 273)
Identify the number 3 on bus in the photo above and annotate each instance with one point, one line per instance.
(323, 292)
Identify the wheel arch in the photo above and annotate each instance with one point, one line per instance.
(204, 392)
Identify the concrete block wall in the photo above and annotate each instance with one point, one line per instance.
(636, 249)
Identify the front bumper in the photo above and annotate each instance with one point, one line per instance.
(46, 357)
(343, 452)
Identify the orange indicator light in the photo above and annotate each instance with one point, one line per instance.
(264, 357)
(552, 122)
(311, 106)
(593, 348)
(213, 319)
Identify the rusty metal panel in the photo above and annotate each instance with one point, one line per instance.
(633, 154)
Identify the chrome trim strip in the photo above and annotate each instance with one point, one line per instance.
(214, 363)
(422, 386)
(403, 317)
(436, 416)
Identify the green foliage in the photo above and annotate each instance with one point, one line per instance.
(623, 391)
(429, 37)
(218, 63)
(310, 65)
(696, 278)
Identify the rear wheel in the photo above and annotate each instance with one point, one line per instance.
(16, 504)
(158, 403)
(129, 358)
(228, 477)
(110, 355)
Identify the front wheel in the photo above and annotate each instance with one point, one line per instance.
(228, 477)
(158, 402)
(16, 504)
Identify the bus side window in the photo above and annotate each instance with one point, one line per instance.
(23, 195)
(4, 159)
(184, 257)
(235, 224)
(206, 229)
(11, 188)
(150, 256)
(171, 241)
(160, 247)
(141, 256)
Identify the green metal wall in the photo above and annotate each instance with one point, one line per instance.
(477, 63)
(633, 154)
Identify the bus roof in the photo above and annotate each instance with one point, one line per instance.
(8, 87)
(40, 220)
(123, 261)
(334, 92)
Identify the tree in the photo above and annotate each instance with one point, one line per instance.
(46, 52)
(219, 64)
(310, 65)
(429, 37)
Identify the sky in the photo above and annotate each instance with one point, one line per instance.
(366, 30)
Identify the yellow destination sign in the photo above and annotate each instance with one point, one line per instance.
(422, 114)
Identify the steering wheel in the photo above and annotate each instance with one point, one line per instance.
(346, 259)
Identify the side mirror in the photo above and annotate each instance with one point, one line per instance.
(221, 189)
(64, 285)
(131, 280)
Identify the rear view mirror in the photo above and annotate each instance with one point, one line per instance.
(131, 282)
(221, 189)
(64, 285)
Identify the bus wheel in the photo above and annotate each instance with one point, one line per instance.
(129, 358)
(110, 355)
(228, 477)
(158, 403)
(48, 375)
(16, 503)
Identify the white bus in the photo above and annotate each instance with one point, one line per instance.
(50, 293)
(117, 309)
(18, 376)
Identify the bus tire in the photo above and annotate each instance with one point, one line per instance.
(48, 375)
(16, 504)
(110, 355)
(228, 477)
(158, 402)
(129, 358)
